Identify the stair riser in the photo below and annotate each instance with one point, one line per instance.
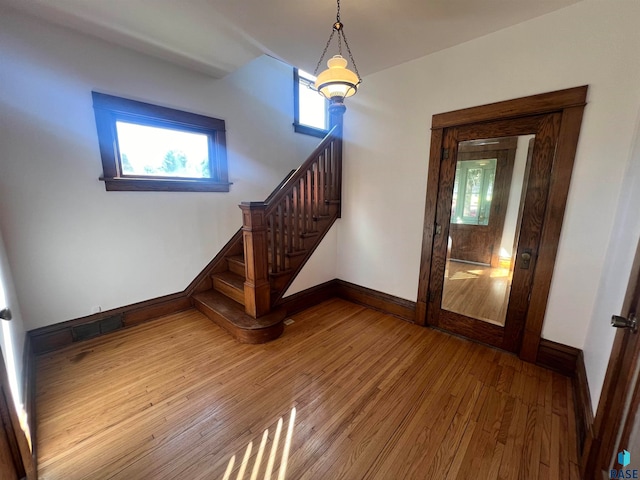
(235, 267)
(252, 337)
(229, 290)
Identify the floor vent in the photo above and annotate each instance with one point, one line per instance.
(94, 329)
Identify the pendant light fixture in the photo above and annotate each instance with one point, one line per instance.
(337, 82)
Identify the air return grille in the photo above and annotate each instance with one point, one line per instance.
(94, 329)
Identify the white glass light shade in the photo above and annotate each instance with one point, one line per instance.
(337, 80)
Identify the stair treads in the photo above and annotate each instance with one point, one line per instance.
(230, 315)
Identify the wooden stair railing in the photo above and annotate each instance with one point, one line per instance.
(281, 234)
(242, 286)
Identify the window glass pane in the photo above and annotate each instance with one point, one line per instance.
(157, 151)
(454, 203)
(485, 207)
(312, 109)
(472, 193)
(311, 105)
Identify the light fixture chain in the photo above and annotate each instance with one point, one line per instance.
(353, 62)
(324, 52)
(339, 81)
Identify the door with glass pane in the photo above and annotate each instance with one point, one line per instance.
(616, 428)
(480, 193)
(492, 195)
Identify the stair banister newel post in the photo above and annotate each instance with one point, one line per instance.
(336, 114)
(257, 290)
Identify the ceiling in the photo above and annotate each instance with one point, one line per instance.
(218, 36)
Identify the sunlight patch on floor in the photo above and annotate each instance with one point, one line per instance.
(271, 465)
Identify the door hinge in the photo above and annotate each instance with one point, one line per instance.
(437, 230)
(445, 153)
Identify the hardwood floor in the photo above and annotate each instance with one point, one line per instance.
(477, 291)
(374, 398)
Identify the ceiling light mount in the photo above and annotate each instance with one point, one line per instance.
(337, 82)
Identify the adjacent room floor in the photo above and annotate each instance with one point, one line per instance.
(477, 291)
(374, 397)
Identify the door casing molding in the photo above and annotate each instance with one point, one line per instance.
(599, 446)
(570, 104)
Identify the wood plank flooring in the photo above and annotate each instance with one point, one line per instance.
(374, 398)
(477, 291)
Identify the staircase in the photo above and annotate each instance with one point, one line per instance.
(241, 288)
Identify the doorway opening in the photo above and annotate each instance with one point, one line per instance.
(497, 187)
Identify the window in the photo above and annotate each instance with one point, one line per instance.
(310, 108)
(145, 147)
(473, 192)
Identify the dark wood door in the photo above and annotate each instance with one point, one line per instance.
(477, 239)
(456, 294)
(16, 460)
(616, 427)
(9, 470)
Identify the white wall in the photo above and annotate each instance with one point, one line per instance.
(12, 332)
(593, 42)
(515, 196)
(72, 245)
(615, 276)
(321, 267)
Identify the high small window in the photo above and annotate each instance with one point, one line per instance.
(310, 108)
(147, 147)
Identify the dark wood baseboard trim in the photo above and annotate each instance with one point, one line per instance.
(558, 357)
(554, 356)
(569, 361)
(563, 359)
(583, 405)
(308, 298)
(59, 335)
(384, 302)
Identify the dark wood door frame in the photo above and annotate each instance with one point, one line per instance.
(600, 442)
(16, 440)
(570, 104)
(508, 337)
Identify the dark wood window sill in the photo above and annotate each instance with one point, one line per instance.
(163, 185)
(307, 130)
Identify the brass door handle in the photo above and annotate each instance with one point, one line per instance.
(525, 259)
(621, 322)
